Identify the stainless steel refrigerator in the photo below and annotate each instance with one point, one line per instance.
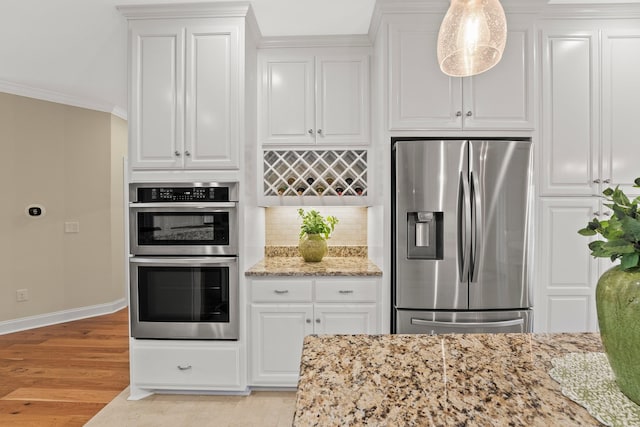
(460, 233)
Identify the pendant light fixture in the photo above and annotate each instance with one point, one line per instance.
(472, 37)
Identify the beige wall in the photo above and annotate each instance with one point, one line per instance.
(282, 225)
(69, 160)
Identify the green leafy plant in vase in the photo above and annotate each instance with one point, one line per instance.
(618, 289)
(314, 232)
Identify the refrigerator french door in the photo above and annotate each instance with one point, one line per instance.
(460, 235)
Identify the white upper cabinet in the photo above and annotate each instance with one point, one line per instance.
(570, 115)
(590, 93)
(314, 99)
(185, 90)
(421, 97)
(621, 107)
(212, 97)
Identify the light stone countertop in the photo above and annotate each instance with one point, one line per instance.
(329, 266)
(442, 380)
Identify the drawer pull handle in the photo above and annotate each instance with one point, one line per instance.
(184, 367)
(345, 291)
(286, 291)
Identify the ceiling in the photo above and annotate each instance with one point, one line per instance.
(75, 50)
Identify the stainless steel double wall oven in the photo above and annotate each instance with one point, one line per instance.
(184, 268)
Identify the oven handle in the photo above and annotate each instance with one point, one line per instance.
(182, 260)
(184, 205)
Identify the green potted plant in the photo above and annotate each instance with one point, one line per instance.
(618, 289)
(314, 232)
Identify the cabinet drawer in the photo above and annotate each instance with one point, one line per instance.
(186, 367)
(281, 291)
(346, 291)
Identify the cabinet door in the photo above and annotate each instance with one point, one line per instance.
(277, 332)
(212, 97)
(157, 93)
(287, 113)
(502, 97)
(620, 107)
(421, 97)
(345, 319)
(565, 285)
(569, 152)
(342, 99)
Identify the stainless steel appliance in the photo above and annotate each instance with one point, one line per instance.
(183, 219)
(184, 297)
(184, 269)
(460, 233)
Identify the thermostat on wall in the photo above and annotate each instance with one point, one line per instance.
(35, 211)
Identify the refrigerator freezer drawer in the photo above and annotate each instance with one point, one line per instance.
(466, 322)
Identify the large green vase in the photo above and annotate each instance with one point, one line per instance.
(618, 305)
(313, 247)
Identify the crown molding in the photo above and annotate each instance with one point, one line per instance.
(61, 98)
(359, 40)
(186, 10)
(564, 10)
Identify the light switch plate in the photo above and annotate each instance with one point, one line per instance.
(72, 227)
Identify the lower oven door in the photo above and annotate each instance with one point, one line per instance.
(184, 297)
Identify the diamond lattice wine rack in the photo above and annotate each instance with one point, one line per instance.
(340, 175)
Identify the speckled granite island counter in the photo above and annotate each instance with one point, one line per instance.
(446, 380)
(329, 266)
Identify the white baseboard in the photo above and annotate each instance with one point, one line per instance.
(48, 319)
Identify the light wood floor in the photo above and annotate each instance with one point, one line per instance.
(63, 375)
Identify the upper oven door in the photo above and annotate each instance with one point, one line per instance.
(183, 229)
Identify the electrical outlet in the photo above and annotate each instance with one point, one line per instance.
(22, 295)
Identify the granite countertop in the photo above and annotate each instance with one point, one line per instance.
(329, 266)
(442, 380)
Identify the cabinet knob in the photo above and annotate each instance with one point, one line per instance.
(458, 113)
(310, 131)
(598, 213)
(607, 181)
(349, 291)
(187, 153)
(279, 292)
(184, 367)
(317, 320)
(469, 114)
(596, 181)
(177, 153)
(308, 320)
(319, 131)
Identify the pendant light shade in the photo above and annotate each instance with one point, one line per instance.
(472, 37)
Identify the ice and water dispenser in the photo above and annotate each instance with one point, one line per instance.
(424, 231)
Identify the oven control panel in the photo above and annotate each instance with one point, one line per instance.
(182, 194)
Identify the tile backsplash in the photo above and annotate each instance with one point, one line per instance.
(282, 225)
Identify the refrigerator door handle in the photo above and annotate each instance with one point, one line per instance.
(464, 227)
(498, 324)
(477, 231)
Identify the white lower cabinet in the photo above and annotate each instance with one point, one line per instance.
(277, 332)
(344, 319)
(285, 310)
(168, 365)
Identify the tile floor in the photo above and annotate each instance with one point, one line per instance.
(260, 408)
